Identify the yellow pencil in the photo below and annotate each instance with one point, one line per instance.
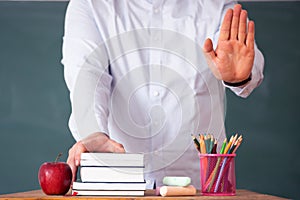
(228, 145)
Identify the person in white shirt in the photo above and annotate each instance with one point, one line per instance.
(144, 75)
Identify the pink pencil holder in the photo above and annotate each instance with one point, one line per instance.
(217, 174)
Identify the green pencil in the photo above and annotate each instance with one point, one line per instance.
(223, 146)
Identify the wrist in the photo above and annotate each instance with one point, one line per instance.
(95, 141)
(238, 84)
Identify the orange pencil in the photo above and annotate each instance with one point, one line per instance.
(203, 151)
(202, 144)
(239, 141)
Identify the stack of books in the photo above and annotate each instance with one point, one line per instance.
(120, 174)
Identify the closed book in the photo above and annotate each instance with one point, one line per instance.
(112, 159)
(108, 192)
(112, 174)
(108, 186)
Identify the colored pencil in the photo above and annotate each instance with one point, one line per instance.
(228, 145)
(223, 146)
(214, 149)
(207, 142)
(211, 145)
(202, 144)
(196, 142)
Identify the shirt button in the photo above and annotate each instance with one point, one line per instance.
(156, 10)
(156, 93)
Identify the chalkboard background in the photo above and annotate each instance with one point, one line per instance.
(34, 102)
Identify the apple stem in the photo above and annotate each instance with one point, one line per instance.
(58, 156)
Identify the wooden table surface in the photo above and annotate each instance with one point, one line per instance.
(150, 194)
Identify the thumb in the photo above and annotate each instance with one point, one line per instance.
(71, 163)
(210, 56)
(208, 49)
(74, 172)
(80, 148)
(77, 150)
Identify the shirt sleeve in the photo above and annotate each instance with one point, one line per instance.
(81, 39)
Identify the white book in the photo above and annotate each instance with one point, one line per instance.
(112, 174)
(108, 186)
(112, 159)
(112, 163)
(108, 192)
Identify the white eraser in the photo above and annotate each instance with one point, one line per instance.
(177, 181)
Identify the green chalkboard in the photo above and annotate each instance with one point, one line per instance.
(34, 101)
(269, 118)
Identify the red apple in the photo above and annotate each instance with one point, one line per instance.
(55, 177)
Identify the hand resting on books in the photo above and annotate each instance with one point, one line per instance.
(96, 142)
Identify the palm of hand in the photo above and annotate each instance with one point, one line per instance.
(234, 60)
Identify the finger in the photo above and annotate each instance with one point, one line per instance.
(235, 21)
(114, 146)
(208, 46)
(250, 35)
(210, 56)
(80, 148)
(225, 28)
(243, 26)
(208, 49)
(71, 163)
(119, 148)
(74, 173)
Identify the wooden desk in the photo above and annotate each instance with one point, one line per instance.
(150, 194)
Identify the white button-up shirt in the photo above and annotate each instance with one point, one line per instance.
(136, 72)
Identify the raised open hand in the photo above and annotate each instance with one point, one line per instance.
(233, 58)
